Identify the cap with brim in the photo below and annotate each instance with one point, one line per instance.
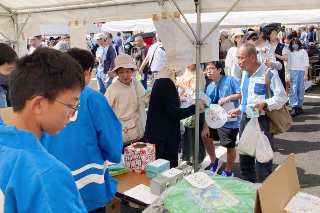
(249, 34)
(122, 61)
(238, 32)
(100, 36)
(224, 33)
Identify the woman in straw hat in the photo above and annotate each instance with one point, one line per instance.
(124, 95)
(233, 68)
(164, 115)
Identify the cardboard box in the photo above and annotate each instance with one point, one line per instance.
(138, 155)
(278, 189)
(156, 167)
(6, 114)
(113, 206)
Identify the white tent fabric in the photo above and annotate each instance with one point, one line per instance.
(63, 11)
(60, 29)
(128, 25)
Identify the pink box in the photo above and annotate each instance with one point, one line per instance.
(138, 155)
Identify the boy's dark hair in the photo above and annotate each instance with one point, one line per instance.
(47, 72)
(84, 57)
(218, 65)
(118, 34)
(7, 54)
(293, 41)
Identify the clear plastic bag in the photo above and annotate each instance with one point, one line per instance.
(264, 151)
(250, 135)
(225, 195)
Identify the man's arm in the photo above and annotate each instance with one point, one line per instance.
(144, 63)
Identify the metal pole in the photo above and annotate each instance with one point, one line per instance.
(16, 38)
(174, 21)
(177, 6)
(24, 24)
(197, 133)
(318, 32)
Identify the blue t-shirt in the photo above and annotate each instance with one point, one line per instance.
(32, 180)
(118, 41)
(229, 86)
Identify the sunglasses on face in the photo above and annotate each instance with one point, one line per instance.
(254, 39)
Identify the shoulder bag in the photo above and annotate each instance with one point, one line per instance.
(280, 120)
(132, 129)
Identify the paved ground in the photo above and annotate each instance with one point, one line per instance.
(303, 139)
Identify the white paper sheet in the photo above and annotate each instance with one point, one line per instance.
(141, 193)
(299, 206)
(227, 107)
(142, 77)
(200, 180)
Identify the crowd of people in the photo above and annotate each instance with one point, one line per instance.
(67, 132)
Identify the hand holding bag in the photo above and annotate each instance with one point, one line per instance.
(132, 129)
(280, 120)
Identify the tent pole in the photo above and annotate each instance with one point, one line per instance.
(174, 21)
(16, 38)
(318, 32)
(24, 24)
(180, 11)
(227, 13)
(198, 50)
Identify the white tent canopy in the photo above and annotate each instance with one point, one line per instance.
(59, 29)
(234, 19)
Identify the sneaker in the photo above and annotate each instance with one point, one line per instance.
(227, 174)
(214, 167)
(299, 110)
(293, 111)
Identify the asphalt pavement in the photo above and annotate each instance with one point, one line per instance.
(303, 139)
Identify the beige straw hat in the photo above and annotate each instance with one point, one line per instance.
(238, 32)
(124, 61)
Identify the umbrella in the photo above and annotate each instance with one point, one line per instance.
(267, 27)
(143, 35)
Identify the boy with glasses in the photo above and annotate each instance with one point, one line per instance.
(94, 137)
(43, 88)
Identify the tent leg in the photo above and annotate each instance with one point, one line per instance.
(197, 133)
(16, 38)
(174, 21)
(318, 32)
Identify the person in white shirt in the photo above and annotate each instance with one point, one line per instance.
(233, 68)
(225, 45)
(298, 64)
(157, 57)
(267, 48)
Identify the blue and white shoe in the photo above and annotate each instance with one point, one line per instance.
(214, 167)
(227, 174)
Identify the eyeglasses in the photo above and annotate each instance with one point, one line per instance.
(254, 39)
(210, 68)
(75, 107)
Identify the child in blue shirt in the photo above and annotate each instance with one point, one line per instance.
(44, 92)
(229, 91)
(94, 137)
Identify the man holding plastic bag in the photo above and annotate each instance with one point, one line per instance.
(254, 137)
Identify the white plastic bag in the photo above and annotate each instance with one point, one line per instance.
(250, 136)
(264, 151)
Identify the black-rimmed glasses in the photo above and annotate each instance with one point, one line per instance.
(75, 107)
